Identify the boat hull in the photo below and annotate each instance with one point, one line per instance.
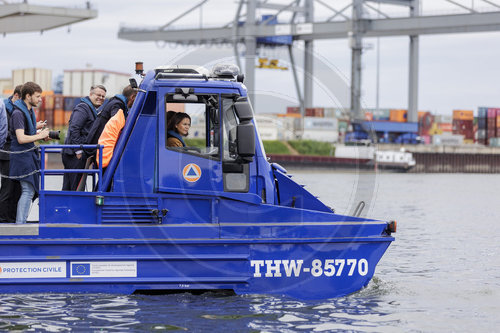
(313, 268)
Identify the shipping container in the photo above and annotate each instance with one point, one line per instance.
(463, 127)
(320, 135)
(482, 112)
(67, 116)
(343, 126)
(70, 103)
(445, 127)
(481, 134)
(289, 115)
(49, 116)
(426, 139)
(293, 109)
(463, 114)
(48, 102)
(315, 112)
(498, 121)
(481, 123)
(443, 119)
(491, 124)
(381, 115)
(494, 142)
(58, 102)
(492, 112)
(482, 141)
(368, 116)
(399, 116)
(491, 133)
(448, 139)
(425, 122)
(320, 123)
(59, 118)
(41, 115)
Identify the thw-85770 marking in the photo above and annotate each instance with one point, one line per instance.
(290, 268)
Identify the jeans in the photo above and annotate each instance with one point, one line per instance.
(24, 204)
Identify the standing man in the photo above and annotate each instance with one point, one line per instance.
(109, 110)
(111, 132)
(24, 133)
(11, 190)
(81, 121)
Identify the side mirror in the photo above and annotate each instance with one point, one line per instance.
(245, 140)
(243, 109)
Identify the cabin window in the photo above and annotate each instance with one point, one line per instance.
(203, 135)
(230, 123)
(149, 106)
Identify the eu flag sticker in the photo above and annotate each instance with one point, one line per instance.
(80, 269)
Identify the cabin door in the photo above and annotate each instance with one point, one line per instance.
(194, 168)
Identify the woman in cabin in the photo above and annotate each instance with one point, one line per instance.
(178, 128)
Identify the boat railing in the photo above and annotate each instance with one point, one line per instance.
(53, 172)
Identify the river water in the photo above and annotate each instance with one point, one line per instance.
(442, 274)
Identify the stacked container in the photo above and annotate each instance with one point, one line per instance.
(491, 123)
(58, 115)
(292, 110)
(425, 123)
(463, 124)
(482, 121)
(488, 125)
(381, 115)
(47, 108)
(399, 116)
(315, 112)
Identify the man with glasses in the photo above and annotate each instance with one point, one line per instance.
(81, 121)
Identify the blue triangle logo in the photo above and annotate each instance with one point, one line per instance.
(191, 172)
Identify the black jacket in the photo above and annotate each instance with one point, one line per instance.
(109, 110)
(82, 118)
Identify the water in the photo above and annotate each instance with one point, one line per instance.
(442, 274)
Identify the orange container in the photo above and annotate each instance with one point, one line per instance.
(368, 116)
(289, 115)
(399, 116)
(463, 114)
(58, 118)
(67, 115)
(498, 121)
(446, 127)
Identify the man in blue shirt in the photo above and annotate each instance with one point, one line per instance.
(10, 190)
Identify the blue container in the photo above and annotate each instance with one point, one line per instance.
(274, 40)
(481, 123)
(482, 112)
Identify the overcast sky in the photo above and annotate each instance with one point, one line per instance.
(457, 71)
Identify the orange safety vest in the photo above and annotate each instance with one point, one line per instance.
(109, 137)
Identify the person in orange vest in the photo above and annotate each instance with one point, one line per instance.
(112, 131)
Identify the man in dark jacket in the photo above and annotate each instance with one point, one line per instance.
(109, 110)
(11, 190)
(82, 118)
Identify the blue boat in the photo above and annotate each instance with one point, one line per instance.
(216, 217)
